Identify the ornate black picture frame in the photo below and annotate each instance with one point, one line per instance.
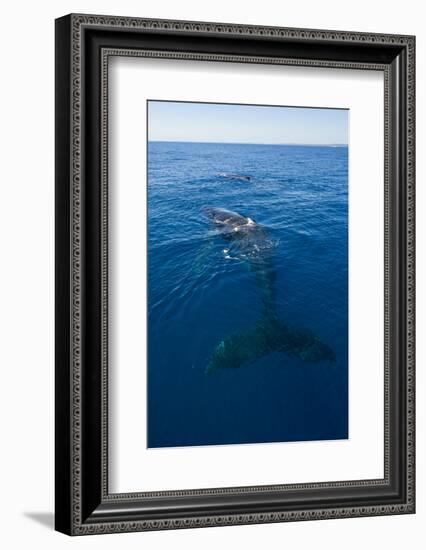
(84, 43)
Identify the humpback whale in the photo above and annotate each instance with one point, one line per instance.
(249, 241)
(240, 177)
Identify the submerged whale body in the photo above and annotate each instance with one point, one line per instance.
(240, 177)
(250, 242)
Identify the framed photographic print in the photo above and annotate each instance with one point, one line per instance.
(234, 274)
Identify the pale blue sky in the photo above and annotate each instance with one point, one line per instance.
(229, 123)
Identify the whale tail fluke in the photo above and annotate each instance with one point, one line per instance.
(267, 336)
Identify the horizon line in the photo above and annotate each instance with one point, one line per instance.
(248, 143)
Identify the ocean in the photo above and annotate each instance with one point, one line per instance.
(200, 293)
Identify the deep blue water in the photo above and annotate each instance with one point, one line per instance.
(197, 296)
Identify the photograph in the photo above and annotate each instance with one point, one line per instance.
(234, 273)
(247, 295)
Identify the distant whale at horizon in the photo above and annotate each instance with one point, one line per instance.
(240, 177)
(249, 241)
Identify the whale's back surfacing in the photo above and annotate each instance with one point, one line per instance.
(240, 177)
(221, 216)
